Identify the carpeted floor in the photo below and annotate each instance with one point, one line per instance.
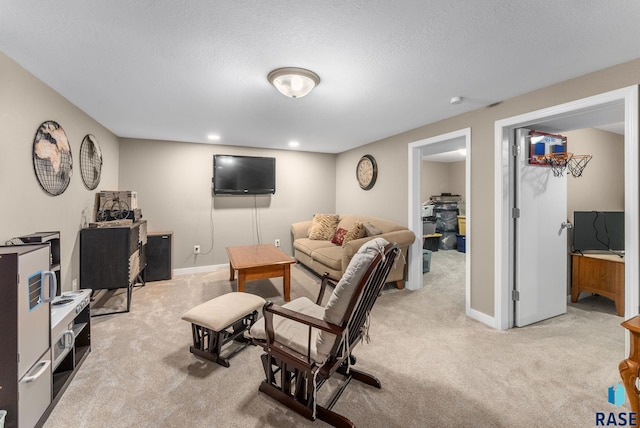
(438, 368)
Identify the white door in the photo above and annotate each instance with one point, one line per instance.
(540, 277)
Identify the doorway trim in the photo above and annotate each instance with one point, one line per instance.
(503, 265)
(446, 144)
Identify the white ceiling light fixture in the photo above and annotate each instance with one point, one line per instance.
(293, 82)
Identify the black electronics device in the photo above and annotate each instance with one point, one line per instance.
(243, 175)
(598, 231)
(158, 256)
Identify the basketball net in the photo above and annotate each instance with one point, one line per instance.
(558, 162)
(577, 163)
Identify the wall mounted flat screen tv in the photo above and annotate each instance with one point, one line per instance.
(598, 231)
(243, 175)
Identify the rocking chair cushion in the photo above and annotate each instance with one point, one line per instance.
(342, 293)
(293, 334)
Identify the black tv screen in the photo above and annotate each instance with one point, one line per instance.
(598, 231)
(243, 175)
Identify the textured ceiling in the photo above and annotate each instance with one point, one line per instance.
(181, 69)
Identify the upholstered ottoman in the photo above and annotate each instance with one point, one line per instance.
(221, 320)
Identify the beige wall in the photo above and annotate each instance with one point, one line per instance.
(25, 103)
(434, 179)
(601, 187)
(457, 173)
(173, 182)
(389, 191)
(392, 200)
(442, 177)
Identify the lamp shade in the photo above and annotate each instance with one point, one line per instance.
(293, 82)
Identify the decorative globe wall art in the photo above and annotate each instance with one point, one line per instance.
(52, 161)
(90, 161)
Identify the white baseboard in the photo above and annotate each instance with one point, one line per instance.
(201, 269)
(483, 318)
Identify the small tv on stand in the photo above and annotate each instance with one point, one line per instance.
(243, 175)
(598, 232)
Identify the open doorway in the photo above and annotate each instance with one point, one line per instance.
(446, 143)
(595, 208)
(610, 107)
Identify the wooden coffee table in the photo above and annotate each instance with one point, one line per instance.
(260, 262)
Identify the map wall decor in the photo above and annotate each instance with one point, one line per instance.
(52, 161)
(90, 161)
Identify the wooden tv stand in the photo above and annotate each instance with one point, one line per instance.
(601, 274)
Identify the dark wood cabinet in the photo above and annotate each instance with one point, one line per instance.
(113, 257)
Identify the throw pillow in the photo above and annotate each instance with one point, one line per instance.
(323, 226)
(371, 230)
(356, 232)
(338, 238)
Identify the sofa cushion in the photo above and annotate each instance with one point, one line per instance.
(371, 230)
(323, 226)
(356, 232)
(338, 237)
(308, 246)
(329, 256)
(292, 333)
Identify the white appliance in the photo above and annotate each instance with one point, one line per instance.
(27, 288)
(64, 310)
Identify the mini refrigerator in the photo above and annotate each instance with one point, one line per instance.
(27, 286)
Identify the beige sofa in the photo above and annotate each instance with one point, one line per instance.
(324, 256)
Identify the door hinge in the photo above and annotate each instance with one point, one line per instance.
(515, 212)
(515, 150)
(515, 295)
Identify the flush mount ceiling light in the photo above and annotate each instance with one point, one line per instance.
(293, 82)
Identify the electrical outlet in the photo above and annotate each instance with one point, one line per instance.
(277, 242)
(196, 249)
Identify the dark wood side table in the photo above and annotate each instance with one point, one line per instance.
(630, 368)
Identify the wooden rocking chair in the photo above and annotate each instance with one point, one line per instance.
(306, 343)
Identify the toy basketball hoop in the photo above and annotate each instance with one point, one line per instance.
(577, 163)
(557, 161)
(550, 150)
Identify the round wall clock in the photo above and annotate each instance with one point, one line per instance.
(367, 172)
